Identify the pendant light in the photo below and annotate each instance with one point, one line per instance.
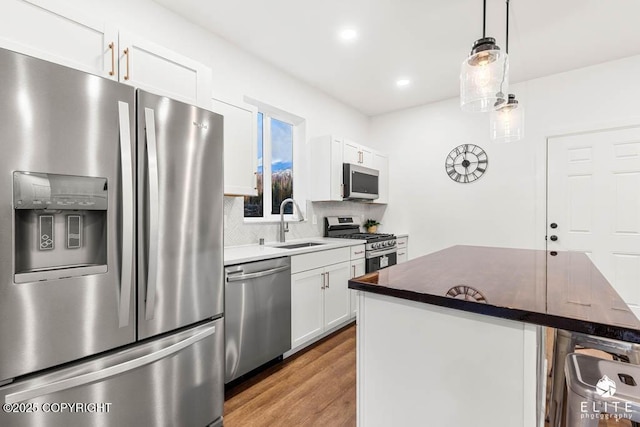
(506, 123)
(484, 75)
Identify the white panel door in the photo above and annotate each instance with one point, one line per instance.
(240, 140)
(53, 31)
(594, 202)
(337, 308)
(358, 268)
(306, 306)
(161, 71)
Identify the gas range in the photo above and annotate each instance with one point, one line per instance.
(380, 248)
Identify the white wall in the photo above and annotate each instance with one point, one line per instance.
(506, 207)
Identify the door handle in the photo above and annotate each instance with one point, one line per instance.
(154, 205)
(103, 374)
(112, 47)
(323, 281)
(553, 238)
(353, 267)
(126, 54)
(328, 280)
(127, 214)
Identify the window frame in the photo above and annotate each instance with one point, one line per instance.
(298, 145)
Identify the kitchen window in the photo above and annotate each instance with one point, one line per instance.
(277, 138)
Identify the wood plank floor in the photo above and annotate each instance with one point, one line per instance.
(316, 387)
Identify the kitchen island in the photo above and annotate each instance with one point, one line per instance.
(454, 338)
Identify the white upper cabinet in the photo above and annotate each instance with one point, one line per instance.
(357, 154)
(60, 35)
(240, 145)
(53, 31)
(159, 70)
(326, 168)
(381, 164)
(328, 153)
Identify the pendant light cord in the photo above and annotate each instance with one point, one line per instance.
(507, 42)
(484, 18)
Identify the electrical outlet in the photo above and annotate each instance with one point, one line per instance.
(314, 219)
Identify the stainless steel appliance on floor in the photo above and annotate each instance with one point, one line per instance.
(380, 248)
(258, 314)
(111, 275)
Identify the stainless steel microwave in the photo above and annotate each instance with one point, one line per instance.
(360, 183)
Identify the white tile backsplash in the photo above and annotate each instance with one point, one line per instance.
(237, 232)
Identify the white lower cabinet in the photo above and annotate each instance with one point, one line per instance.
(319, 301)
(403, 249)
(358, 268)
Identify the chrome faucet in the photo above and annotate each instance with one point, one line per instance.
(284, 227)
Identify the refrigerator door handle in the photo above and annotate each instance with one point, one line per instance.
(154, 190)
(103, 374)
(127, 214)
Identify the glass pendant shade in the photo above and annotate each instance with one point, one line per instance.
(484, 77)
(506, 123)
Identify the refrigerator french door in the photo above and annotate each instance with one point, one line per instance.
(66, 138)
(111, 280)
(180, 186)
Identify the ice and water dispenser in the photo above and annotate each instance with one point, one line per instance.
(60, 226)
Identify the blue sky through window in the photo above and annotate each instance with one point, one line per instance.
(281, 145)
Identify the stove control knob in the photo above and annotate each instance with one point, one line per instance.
(376, 246)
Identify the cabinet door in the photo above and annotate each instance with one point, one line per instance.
(161, 71)
(306, 306)
(336, 294)
(357, 269)
(351, 152)
(56, 32)
(381, 164)
(366, 157)
(403, 249)
(240, 159)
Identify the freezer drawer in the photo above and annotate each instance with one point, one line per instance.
(172, 381)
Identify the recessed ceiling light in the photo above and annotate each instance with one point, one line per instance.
(348, 34)
(403, 82)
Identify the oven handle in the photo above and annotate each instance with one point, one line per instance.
(375, 254)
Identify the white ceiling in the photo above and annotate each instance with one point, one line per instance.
(424, 41)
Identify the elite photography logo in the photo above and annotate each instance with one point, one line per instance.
(606, 387)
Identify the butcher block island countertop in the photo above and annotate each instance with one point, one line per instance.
(453, 338)
(564, 291)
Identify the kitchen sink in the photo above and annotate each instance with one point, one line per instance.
(300, 245)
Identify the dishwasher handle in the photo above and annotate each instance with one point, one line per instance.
(238, 277)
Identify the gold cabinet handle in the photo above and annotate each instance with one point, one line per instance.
(327, 281)
(112, 46)
(126, 54)
(323, 280)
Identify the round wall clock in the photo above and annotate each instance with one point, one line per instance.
(466, 163)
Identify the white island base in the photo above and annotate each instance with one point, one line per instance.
(424, 365)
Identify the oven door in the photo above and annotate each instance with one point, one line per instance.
(377, 260)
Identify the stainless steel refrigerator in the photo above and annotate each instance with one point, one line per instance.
(111, 271)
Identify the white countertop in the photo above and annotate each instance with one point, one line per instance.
(248, 253)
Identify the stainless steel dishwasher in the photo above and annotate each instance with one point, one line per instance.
(257, 314)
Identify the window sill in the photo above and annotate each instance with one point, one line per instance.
(271, 220)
